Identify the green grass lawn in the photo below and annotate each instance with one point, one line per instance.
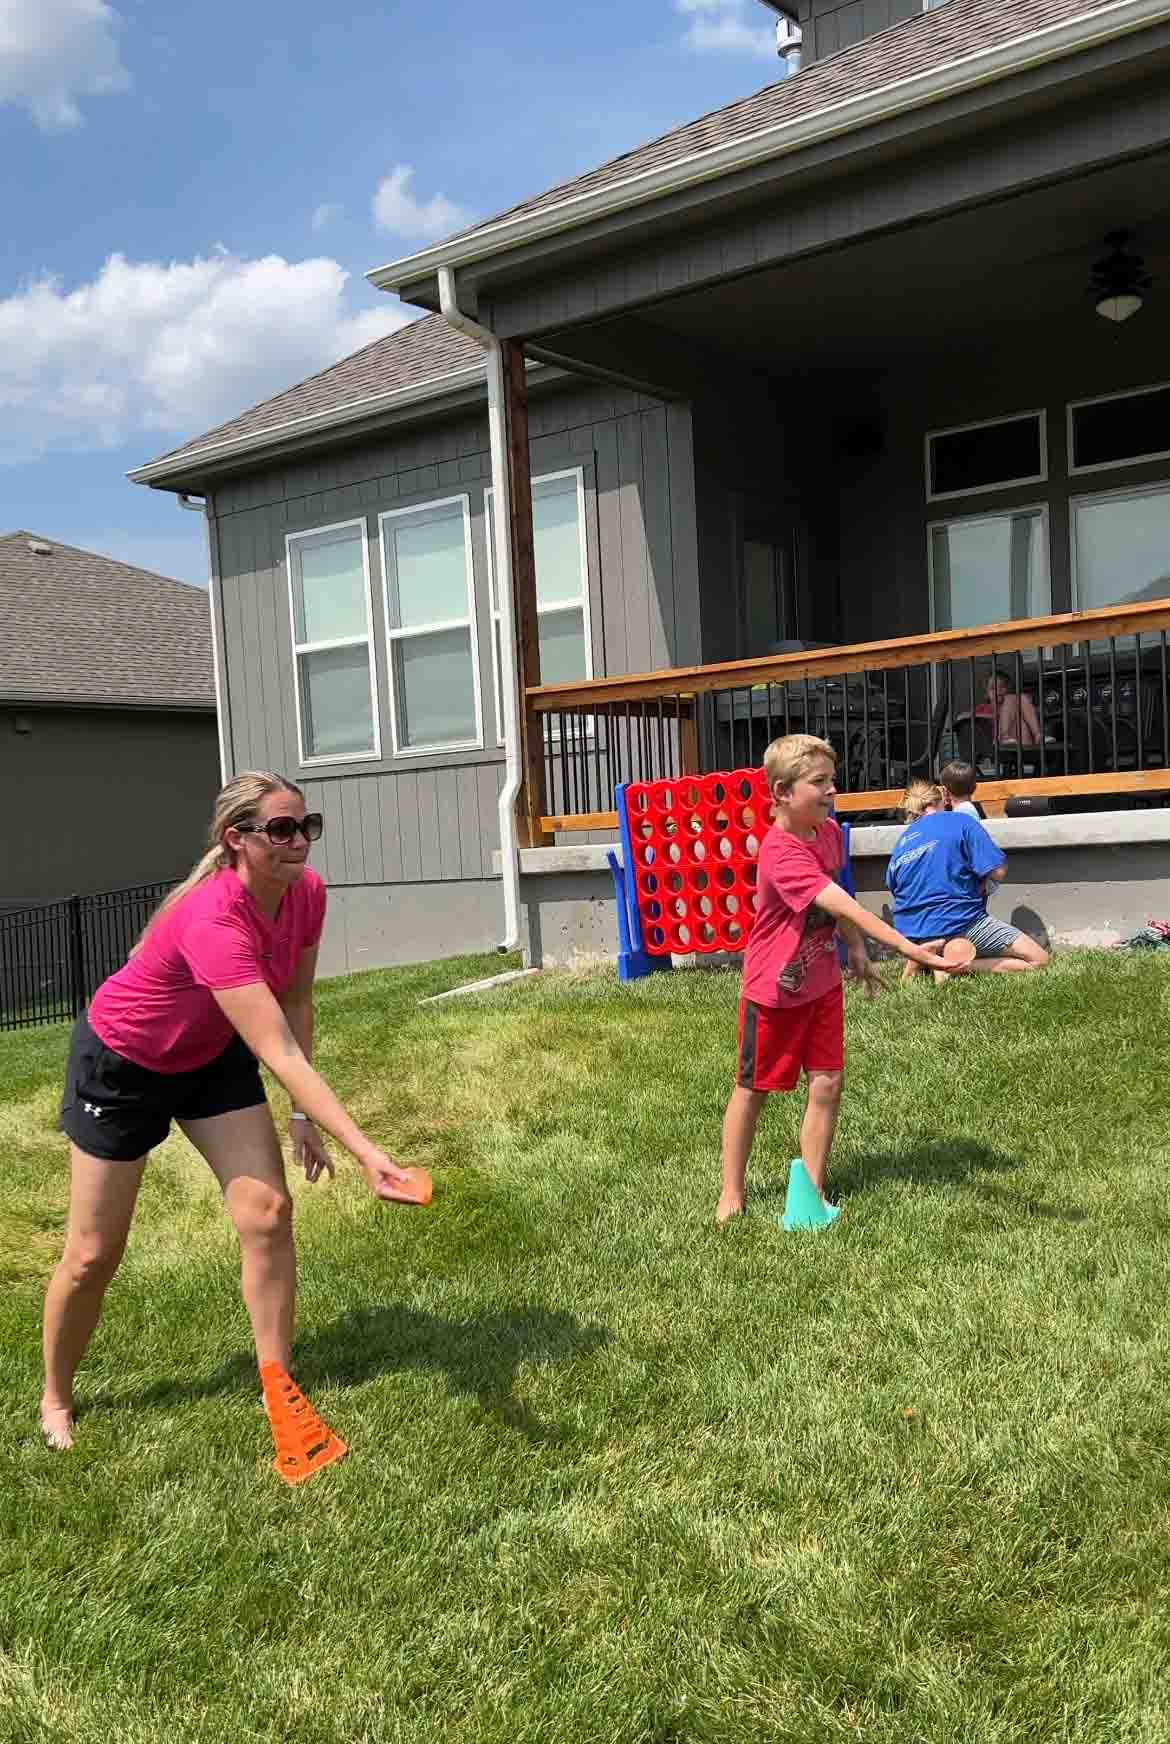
(616, 1476)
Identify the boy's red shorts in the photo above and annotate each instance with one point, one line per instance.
(777, 1043)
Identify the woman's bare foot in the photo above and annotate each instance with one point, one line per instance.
(57, 1426)
(727, 1209)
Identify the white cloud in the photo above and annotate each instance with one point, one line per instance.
(149, 347)
(396, 209)
(54, 51)
(325, 213)
(726, 27)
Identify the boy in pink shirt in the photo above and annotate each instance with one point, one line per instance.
(791, 1013)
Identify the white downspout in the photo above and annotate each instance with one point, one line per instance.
(200, 508)
(502, 517)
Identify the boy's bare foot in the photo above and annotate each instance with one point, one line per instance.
(57, 1426)
(727, 1209)
(960, 951)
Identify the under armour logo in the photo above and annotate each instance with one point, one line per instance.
(92, 1108)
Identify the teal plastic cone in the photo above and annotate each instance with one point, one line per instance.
(804, 1208)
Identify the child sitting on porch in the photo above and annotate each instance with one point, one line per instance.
(959, 781)
(1014, 712)
(791, 1009)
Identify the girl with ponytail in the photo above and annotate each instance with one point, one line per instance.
(221, 979)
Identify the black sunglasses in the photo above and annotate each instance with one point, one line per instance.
(282, 830)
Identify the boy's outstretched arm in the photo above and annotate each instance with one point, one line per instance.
(841, 905)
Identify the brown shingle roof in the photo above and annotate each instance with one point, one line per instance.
(943, 36)
(79, 628)
(425, 350)
(429, 349)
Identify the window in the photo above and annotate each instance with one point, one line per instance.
(430, 627)
(1119, 431)
(987, 569)
(562, 582)
(333, 656)
(1121, 548)
(987, 456)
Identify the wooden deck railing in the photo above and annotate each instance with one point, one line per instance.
(1096, 682)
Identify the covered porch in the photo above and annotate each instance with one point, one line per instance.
(931, 515)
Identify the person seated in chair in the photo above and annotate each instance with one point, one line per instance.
(938, 877)
(1014, 712)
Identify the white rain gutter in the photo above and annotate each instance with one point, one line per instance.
(502, 518)
(901, 97)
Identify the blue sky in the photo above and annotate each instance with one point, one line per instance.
(192, 196)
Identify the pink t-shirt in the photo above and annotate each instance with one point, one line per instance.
(791, 955)
(158, 1010)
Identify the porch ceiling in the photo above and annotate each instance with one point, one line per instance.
(910, 293)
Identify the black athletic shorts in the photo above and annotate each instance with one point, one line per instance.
(119, 1111)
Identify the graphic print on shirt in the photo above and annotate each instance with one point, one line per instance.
(815, 940)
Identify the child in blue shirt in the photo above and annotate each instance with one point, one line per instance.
(938, 876)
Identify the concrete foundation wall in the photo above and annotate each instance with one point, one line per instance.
(378, 926)
(1071, 881)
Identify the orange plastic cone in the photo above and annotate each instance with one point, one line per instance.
(303, 1443)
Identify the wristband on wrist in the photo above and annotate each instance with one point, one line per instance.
(297, 1115)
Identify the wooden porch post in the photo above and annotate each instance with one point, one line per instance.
(530, 804)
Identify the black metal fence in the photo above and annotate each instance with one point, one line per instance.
(1087, 709)
(54, 955)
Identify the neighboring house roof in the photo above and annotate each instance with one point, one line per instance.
(83, 630)
(428, 358)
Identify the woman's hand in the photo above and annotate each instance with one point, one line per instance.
(382, 1173)
(308, 1148)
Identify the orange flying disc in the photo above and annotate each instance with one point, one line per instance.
(414, 1190)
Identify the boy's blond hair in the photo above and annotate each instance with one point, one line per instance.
(789, 759)
(920, 796)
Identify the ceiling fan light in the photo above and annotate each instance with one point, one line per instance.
(1119, 306)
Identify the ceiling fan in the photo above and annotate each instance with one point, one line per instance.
(1119, 280)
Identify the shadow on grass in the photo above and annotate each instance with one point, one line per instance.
(935, 1163)
(479, 1356)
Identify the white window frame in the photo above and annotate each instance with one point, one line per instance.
(1111, 465)
(299, 648)
(470, 622)
(991, 515)
(1004, 484)
(566, 605)
(1086, 499)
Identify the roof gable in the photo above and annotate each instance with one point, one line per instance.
(428, 358)
(946, 35)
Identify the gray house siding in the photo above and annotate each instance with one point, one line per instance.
(408, 841)
(828, 26)
(108, 798)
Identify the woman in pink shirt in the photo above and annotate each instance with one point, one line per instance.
(222, 977)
